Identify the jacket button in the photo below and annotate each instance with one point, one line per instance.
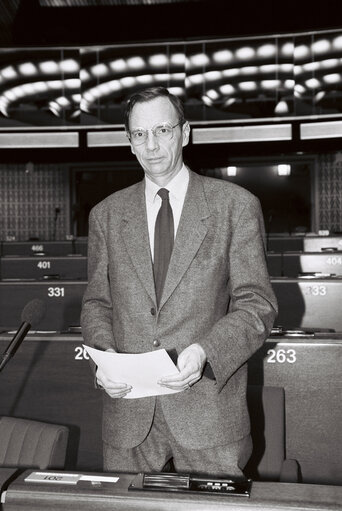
(153, 311)
(156, 343)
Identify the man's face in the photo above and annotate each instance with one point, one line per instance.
(161, 158)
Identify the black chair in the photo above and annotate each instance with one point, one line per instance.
(32, 444)
(267, 412)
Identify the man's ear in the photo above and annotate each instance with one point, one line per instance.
(186, 133)
(130, 143)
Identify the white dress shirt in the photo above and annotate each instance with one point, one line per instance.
(177, 190)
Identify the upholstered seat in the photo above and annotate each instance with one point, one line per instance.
(32, 444)
(267, 412)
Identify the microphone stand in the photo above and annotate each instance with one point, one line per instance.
(14, 344)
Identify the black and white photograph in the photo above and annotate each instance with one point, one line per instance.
(170, 255)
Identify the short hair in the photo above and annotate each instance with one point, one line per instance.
(149, 94)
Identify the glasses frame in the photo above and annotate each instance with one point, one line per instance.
(152, 130)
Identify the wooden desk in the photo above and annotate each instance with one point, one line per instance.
(38, 267)
(281, 243)
(63, 299)
(317, 243)
(309, 369)
(50, 379)
(49, 248)
(116, 496)
(309, 303)
(274, 264)
(6, 476)
(295, 263)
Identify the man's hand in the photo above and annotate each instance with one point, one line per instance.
(113, 389)
(190, 363)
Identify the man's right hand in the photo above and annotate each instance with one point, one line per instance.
(113, 389)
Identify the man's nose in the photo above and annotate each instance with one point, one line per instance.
(151, 141)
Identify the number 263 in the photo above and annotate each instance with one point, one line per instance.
(281, 356)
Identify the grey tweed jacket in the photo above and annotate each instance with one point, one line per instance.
(217, 293)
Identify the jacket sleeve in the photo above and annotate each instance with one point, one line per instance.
(253, 307)
(96, 315)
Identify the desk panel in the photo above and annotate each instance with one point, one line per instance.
(318, 243)
(274, 264)
(28, 248)
(312, 262)
(309, 369)
(282, 243)
(309, 303)
(63, 267)
(81, 246)
(63, 303)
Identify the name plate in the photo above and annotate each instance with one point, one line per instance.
(67, 478)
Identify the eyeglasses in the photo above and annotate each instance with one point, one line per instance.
(161, 131)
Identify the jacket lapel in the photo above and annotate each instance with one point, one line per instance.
(135, 235)
(191, 232)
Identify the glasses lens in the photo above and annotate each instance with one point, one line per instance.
(163, 131)
(138, 136)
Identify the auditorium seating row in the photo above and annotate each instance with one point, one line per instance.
(275, 243)
(293, 264)
(291, 256)
(30, 443)
(45, 248)
(67, 259)
(304, 303)
(303, 243)
(49, 379)
(68, 267)
(303, 357)
(74, 266)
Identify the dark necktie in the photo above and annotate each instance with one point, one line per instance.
(163, 242)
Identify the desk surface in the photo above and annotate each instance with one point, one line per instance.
(314, 338)
(264, 497)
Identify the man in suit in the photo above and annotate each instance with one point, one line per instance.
(213, 303)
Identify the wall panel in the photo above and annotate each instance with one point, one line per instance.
(30, 196)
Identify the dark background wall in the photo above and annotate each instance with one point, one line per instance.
(30, 194)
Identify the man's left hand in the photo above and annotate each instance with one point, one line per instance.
(190, 363)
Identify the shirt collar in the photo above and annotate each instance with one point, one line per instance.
(177, 186)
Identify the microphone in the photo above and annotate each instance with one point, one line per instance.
(57, 211)
(31, 315)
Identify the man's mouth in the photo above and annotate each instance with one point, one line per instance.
(155, 160)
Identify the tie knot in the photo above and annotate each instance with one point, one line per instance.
(163, 193)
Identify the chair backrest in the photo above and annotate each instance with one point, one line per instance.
(32, 444)
(267, 413)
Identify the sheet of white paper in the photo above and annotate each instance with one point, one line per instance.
(142, 371)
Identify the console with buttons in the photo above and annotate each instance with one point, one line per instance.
(187, 483)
